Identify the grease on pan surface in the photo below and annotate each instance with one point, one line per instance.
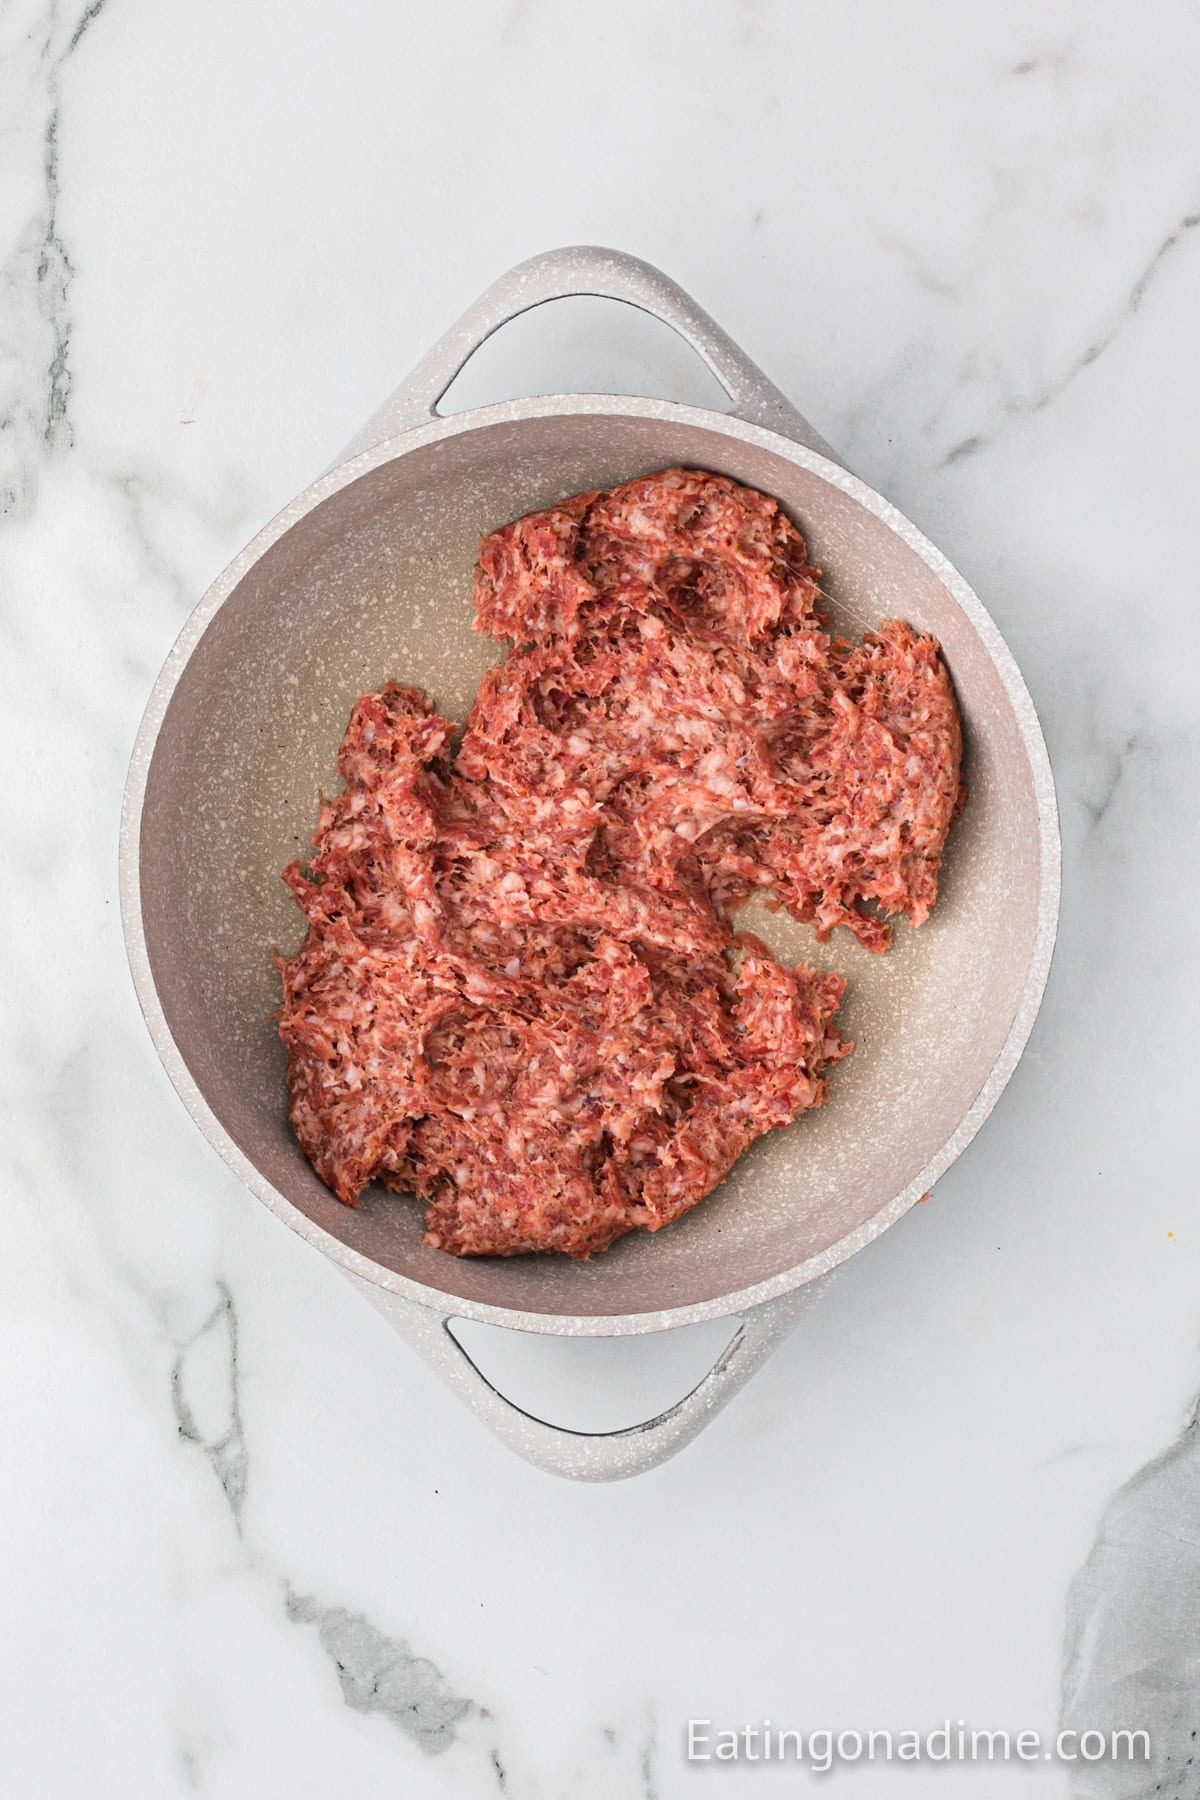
(522, 994)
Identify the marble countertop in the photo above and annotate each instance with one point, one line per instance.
(253, 1548)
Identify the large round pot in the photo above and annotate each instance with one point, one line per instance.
(366, 576)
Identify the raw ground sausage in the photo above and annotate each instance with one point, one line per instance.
(523, 995)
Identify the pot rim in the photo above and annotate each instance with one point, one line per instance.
(556, 406)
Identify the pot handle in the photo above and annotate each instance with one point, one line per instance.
(585, 269)
(585, 1455)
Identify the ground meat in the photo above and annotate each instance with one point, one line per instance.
(522, 995)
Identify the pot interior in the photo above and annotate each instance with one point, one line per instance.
(375, 583)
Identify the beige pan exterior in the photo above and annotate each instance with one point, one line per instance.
(367, 576)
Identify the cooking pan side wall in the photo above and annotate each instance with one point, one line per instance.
(374, 583)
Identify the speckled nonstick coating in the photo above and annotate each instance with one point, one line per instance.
(366, 577)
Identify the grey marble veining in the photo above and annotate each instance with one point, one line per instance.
(1133, 1639)
(36, 274)
(381, 1674)
(1046, 395)
(377, 1673)
(251, 1539)
(224, 1445)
